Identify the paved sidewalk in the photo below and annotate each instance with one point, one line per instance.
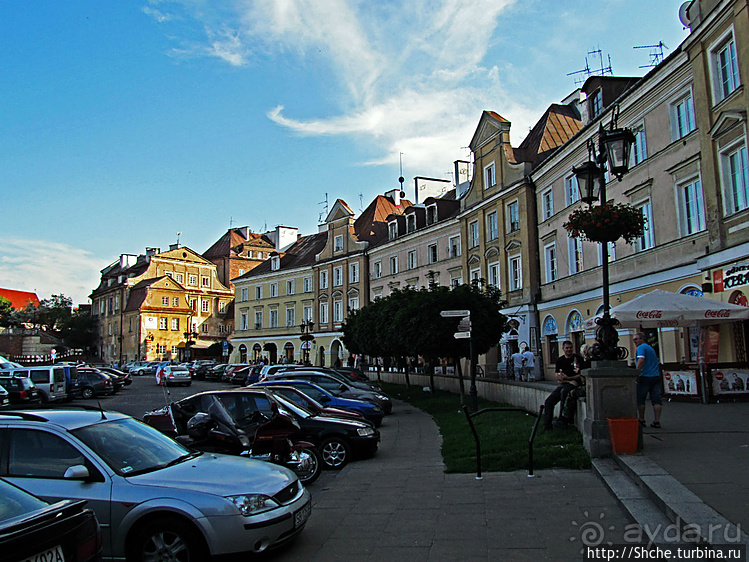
(400, 505)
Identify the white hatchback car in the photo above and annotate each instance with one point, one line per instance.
(154, 499)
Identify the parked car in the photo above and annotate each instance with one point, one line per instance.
(200, 368)
(145, 369)
(153, 498)
(168, 375)
(94, 383)
(49, 381)
(300, 398)
(20, 389)
(4, 399)
(72, 382)
(32, 529)
(121, 376)
(133, 366)
(117, 383)
(226, 377)
(370, 411)
(358, 374)
(346, 377)
(215, 372)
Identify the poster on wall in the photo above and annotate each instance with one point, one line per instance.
(680, 383)
(710, 343)
(150, 322)
(730, 381)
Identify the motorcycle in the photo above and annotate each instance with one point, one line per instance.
(269, 439)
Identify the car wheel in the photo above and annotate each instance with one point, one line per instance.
(335, 453)
(167, 539)
(313, 465)
(87, 393)
(139, 373)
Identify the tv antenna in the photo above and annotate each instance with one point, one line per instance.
(178, 235)
(586, 72)
(361, 202)
(656, 53)
(401, 179)
(324, 212)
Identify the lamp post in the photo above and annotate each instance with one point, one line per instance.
(190, 337)
(307, 338)
(613, 150)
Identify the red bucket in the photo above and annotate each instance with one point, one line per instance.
(624, 433)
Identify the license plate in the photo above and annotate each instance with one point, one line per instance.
(301, 516)
(51, 555)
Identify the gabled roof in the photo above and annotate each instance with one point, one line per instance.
(490, 125)
(19, 299)
(371, 226)
(301, 253)
(339, 210)
(557, 125)
(230, 244)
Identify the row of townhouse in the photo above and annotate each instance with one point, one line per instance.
(689, 176)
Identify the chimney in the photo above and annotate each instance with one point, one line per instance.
(173, 246)
(285, 237)
(126, 260)
(151, 251)
(395, 195)
(244, 231)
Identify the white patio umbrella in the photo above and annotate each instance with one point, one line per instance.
(659, 309)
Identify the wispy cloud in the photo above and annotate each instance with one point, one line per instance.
(48, 268)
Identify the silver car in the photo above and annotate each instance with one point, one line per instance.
(154, 499)
(173, 374)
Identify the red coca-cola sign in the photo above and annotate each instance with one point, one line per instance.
(718, 376)
(649, 313)
(667, 376)
(722, 313)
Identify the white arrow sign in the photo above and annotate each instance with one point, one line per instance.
(452, 313)
(462, 335)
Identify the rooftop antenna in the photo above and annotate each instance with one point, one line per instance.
(586, 72)
(602, 70)
(400, 178)
(656, 53)
(178, 235)
(361, 202)
(231, 222)
(324, 212)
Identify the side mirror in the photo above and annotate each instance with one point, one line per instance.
(76, 472)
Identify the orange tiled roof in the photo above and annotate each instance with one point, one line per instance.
(19, 299)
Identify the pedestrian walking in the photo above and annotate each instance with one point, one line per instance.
(517, 365)
(648, 381)
(528, 365)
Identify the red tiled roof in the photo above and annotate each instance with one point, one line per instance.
(19, 299)
(372, 223)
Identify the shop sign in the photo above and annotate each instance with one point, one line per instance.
(734, 276)
(731, 381)
(681, 383)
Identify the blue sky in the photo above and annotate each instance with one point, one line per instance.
(124, 123)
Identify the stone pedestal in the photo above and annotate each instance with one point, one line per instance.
(610, 394)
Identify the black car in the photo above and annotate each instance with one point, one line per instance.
(123, 379)
(20, 389)
(94, 383)
(32, 529)
(215, 372)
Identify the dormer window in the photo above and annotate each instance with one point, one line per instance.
(432, 214)
(338, 243)
(392, 230)
(490, 176)
(275, 263)
(411, 223)
(596, 104)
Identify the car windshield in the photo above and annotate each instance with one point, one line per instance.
(292, 408)
(131, 447)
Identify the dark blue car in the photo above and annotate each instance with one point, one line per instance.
(371, 412)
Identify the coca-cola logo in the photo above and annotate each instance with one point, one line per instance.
(722, 313)
(718, 376)
(649, 313)
(667, 376)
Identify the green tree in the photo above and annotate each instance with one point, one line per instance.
(6, 309)
(79, 330)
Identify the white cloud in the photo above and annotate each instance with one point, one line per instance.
(48, 268)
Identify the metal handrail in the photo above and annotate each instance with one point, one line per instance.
(470, 416)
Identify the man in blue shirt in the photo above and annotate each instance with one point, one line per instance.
(649, 381)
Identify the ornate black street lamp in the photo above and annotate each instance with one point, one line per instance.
(307, 338)
(190, 337)
(612, 153)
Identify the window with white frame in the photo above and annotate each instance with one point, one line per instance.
(192, 280)
(307, 312)
(175, 301)
(241, 271)
(611, 252)
(377, 270)
(682, 116)
(273, 290)
(431, 214)
(165, 301)
(490, 176)
(290, 290)
(575, 255)
(162, 323)
(194, 304)
(550, 262)
(338, 276)
(274, 318)
(411, 222)
(393, 265)
(179, 278)
(515, 272)
(639, 148)
(692, 206)
(475, 274)
(243, 294)
(411, 259)
(432, 255)
(258, 319)
(323, 313)
(456, 281)
(204, 327)
(513, 217)
(571, 191)
(376, 294)
(493, 274)
(338, 243)
(221, 306)
(353, 273)
(323, 279)
(491, 226)
(724, 67)
(547, 204)
(205, 305)
(175, 324)
(258, 292)
(275, 263)
(205, 281)
(307, 284)
(735, 178)
(473, 234)
(337, 310)
(647, 240)
(454, 246)
(353, 303)
(392, 230)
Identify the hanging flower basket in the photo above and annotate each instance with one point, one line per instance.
(606, 223)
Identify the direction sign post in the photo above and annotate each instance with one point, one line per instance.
(454, 313)
(462, 335)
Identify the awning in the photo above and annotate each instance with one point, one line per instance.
(196, 345)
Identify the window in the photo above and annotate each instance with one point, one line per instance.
(392, 230)
(692, 207)
(550, 261)
(175, 324)
(258, 319)
(724, 67)
(475, 274)
(307, 284)
(258, 292)
(735, 176)
(40, 454)
(192, 280)
(513, 217)
(639, 148)
(473, 234)
(377, 270)
(179, 278)
(515, 273)
(353, 303)
(338, 243)
(221, 306)
(575, 255)
(337, 310)
(611, 252)
(162, 323)
(432, 214)
(682, 117)
(411, 223)
(307, 313)
(353, 273)
(323, 280)
(205, 281)
(203, 328)
(275, 263)
(243, 293)
(596, 104)
(204, 305)
(376, 294)
(338, 276)
(490, 177)
(432, 253)
(646, 241)
(194, 304)
(571, 191)
(547, 204)
(491, 226)
(393, 265)
(456, 281)
(323, 313)
(241, 271)
(273, 318)
(243, 319)
(493, 271)
(165, 301)
(412, 259)
(290, 287)
(454, 247)
(290, 317)
(175, 301)
(273, 290)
